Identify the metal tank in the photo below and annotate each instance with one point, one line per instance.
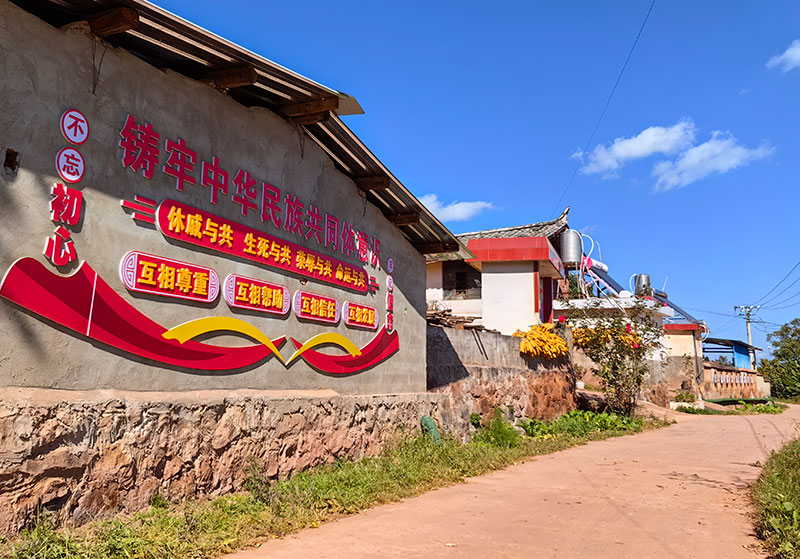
(643, 284)
(571, 249)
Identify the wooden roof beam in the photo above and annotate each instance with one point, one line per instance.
(237, 76)
(310, 107)
(436, 248)
(312, 118)
(113, 22)
(404, 219)
(380, 182)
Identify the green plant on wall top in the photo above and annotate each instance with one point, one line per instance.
(619, 345)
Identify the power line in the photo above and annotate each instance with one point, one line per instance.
(780, 282)
(789, 298)
(709, 312)
(784, 307)
(605, 107)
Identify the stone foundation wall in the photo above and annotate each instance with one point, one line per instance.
(478, 371)
(87, 455)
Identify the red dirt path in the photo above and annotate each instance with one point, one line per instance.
(680, 491)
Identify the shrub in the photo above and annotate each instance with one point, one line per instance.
(619, 346)
(777, 500)
(498, 432)
(685, 397)
(578, 423)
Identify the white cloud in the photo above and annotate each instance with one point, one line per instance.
(455, 211)
(788, 60)
(655, 139)
(719, 155)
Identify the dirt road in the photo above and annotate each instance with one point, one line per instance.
(680, 491)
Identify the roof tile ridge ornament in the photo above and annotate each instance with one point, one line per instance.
(560, 220)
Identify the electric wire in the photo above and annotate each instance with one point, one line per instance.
(777, 284)
(789, 298)
(605, 108)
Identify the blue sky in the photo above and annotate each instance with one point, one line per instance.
(692, 174)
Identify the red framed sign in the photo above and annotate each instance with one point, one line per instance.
(156, 275)
(74, 127)
(319, 308)
(200, 228)
(242, 292)
(70, 165)
(357, 315)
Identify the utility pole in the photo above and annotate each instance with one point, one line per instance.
(747, 311)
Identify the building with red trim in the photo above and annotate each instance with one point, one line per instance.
(508, 282)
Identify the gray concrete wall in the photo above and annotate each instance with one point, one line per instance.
(45, 71)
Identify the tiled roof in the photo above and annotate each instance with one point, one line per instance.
(542, 229)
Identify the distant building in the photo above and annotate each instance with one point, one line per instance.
(508, 281)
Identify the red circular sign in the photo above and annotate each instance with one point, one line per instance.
(74, 126)
(70, 165)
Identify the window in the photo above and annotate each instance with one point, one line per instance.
(460, 281)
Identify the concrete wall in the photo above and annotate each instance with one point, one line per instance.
(479, 371)
(434, 281)
(500, 312)
(731, 382)
(46, 71)
(88, 455)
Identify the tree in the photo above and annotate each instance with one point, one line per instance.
(619, 346)
(783, 370)
(785, 342)
(723, 360)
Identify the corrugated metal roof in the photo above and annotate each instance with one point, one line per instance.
(168, 41)
(541, 229)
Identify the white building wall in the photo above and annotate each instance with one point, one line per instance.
(433, 281)
(508, 296)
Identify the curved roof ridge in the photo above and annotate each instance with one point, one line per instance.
(540, 229)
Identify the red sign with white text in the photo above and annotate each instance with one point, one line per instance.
(200, 228)
(242, 292)
(147, 273)
(359, 316)
(319, 308)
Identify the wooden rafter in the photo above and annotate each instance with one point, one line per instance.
(436, 248)
(310, 107)
(237, 76)
(404, 219)
(380, 182)
(114, 21)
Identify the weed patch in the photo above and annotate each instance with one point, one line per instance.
(777, 501)
(270, 508)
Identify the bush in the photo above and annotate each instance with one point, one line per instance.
(685, 397)
(578, 423)
(498, 432)
(777, 500)
(619, 347)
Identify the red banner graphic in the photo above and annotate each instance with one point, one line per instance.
(242, 292)
(380, 348)
(156, 275)
(84, 303)
(319, 308)
(200, 228)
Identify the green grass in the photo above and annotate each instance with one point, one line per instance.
(745, 409)
(777, 502)
(268, 508)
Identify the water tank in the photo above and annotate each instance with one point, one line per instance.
(643, 284)
(571, 249)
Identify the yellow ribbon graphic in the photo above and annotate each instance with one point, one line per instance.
(193, 328)
(327, 338)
